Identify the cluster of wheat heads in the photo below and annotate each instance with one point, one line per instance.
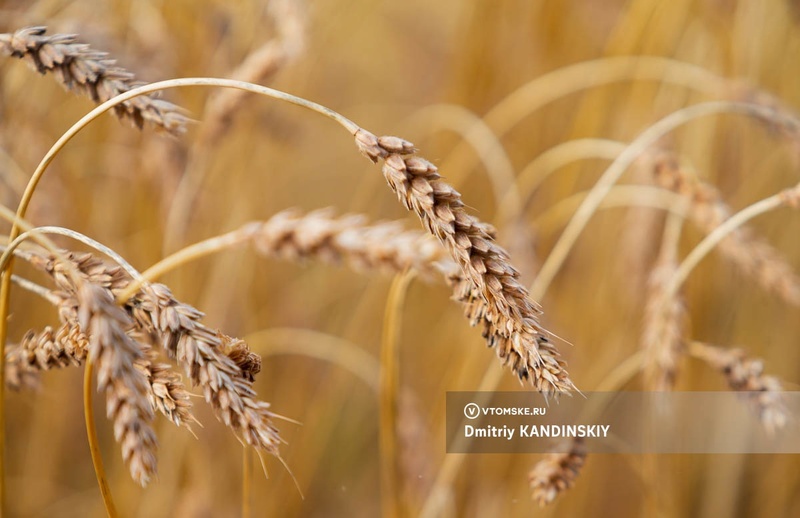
(115, 320)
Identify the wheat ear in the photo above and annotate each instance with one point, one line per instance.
(90, 73)
(557, 473)
(511, 317)
(750, 254)
(746, 374)
(219, 364)
(665, 317)
(115, 354)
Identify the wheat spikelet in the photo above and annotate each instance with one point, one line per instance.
(556, 473)
(746, 374)
(510, 315)
(781, 120)
(167, 393)
(115, 354)
(750, 254)
(42, 351)
(201, 351)
(91, 73)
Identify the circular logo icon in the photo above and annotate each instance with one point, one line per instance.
(472, 411)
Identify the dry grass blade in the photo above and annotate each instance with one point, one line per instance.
(511, 317)
(91, 73)
(557, 473)
(750, 254)
(746, 374)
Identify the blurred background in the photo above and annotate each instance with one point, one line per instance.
(424, 71)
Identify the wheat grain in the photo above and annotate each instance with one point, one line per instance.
(91, 73)
(510, 316)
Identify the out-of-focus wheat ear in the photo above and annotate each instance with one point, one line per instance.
(556, 473)
(349, 239)
(749, 253)
(90, 73)
(509, 311)
(664, 322)
(746, 374)
(289, 20)
(783, 121)
(115, 354)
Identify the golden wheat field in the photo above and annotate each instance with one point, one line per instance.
(248, 293)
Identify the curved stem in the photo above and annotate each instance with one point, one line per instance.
(646, 139)
(5, 280)
(712, 239)
(94, 445)
(184, 255)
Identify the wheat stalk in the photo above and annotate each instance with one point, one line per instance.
(90, 73)
(511, 318)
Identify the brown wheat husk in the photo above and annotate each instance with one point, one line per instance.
(511, 318)
(90, 73)
(557, 473)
